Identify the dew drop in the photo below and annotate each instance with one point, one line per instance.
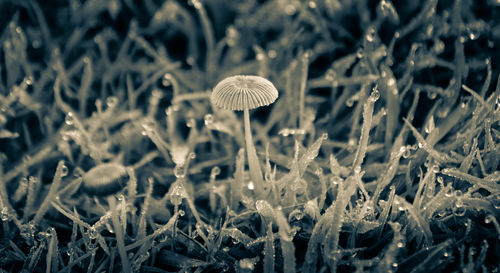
(209, 119)
(64, 170)
(121, 197)
(440, 180)
(448, 193)
(330, 75)
(473, 35)
(370, 36)
(472, 251)
(407, 153)
(167, 80)
(70, 118)
(360, 53)
(375, 95)
(251, 186)
(487, 220)
(4, 214)
(111, 102)
(215, 171)
(92, 232)
(169, 111)
(438, 47)
(182, 212)
(110, 229)
(191, 123)
(284, 132)
(247, 265)
(70, 252)
(496, 203)
(177, 193)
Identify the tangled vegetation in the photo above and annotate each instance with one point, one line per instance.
(381, 153)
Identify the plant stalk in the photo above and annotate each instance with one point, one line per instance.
(253, 160)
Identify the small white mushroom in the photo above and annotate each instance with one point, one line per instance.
(243, 93)
(105, 179)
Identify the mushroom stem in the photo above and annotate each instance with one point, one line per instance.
(253, 160)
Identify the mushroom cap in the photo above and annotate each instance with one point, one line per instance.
(243, 92)
(105, 179)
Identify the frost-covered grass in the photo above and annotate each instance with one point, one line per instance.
(381, 154)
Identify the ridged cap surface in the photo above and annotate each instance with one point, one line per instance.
(105, 179)
(242, 92)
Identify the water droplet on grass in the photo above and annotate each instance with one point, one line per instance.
(284, 132)
(177, 194)
(70, 118)
(360, 53)
(370, 35)
(375, 95)
(472, 251)
(209, 119)
(179, 171)
(247, 264)
(4, 214)
(166, 80)
(191, 123)
(111, 102)
(64, 170)
(473, 35)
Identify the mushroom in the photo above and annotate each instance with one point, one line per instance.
(105, 179)
(243, 93)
